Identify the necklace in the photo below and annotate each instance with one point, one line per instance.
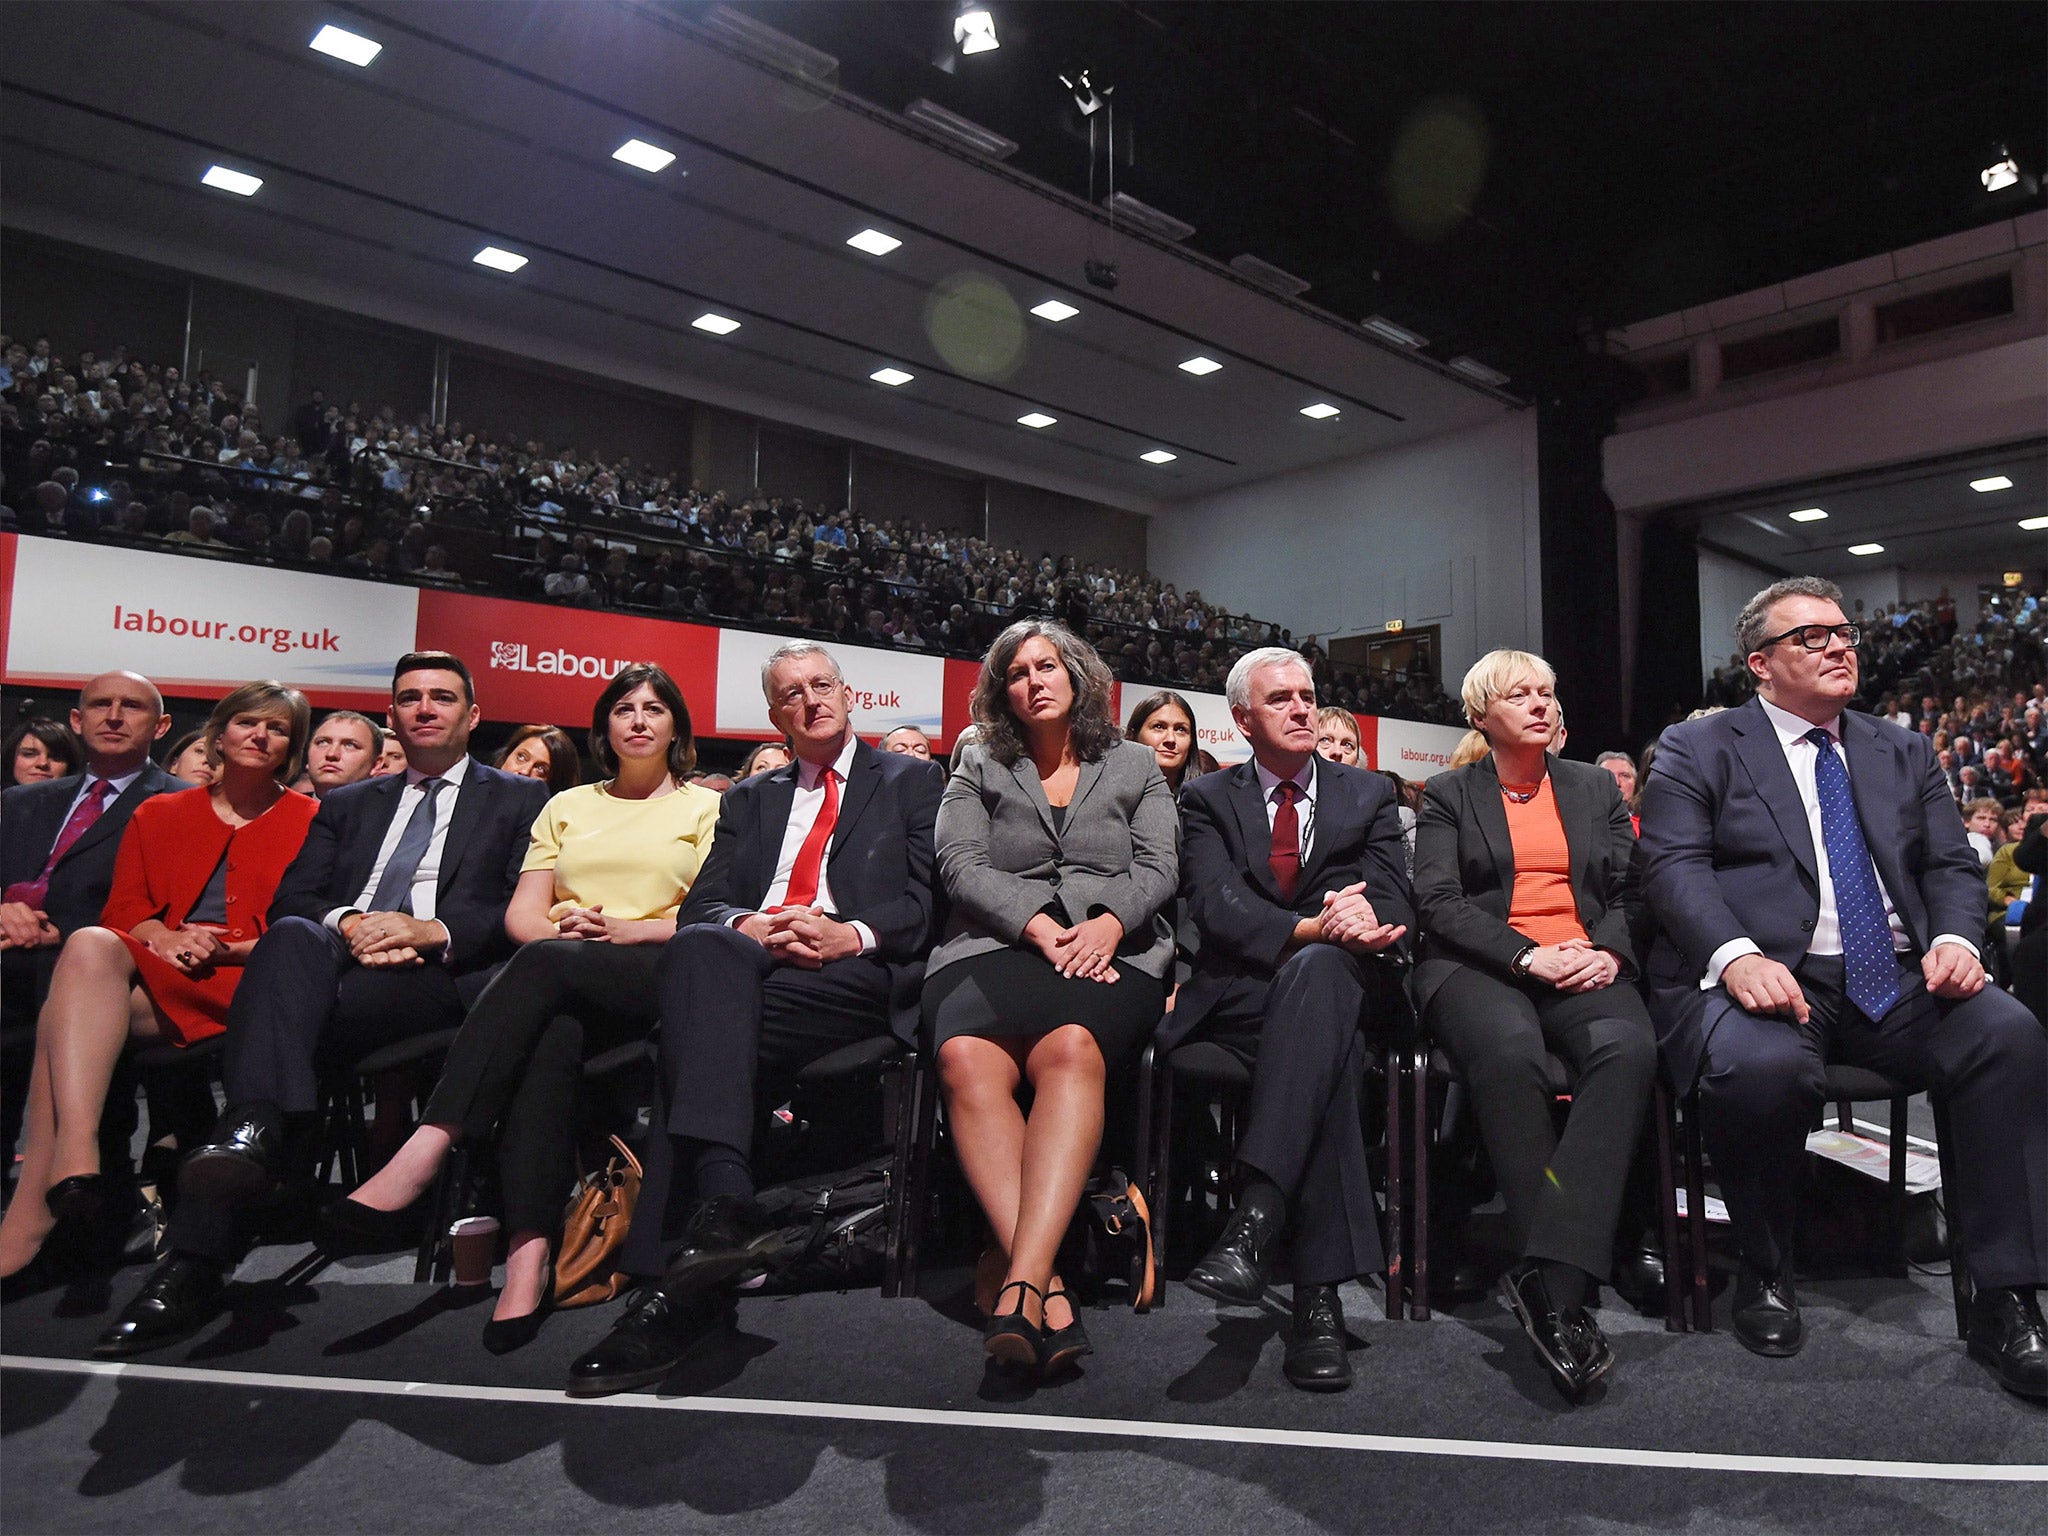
(1522, 796)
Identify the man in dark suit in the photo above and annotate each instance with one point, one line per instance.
(57, 845)
(1803, 921)
(387, 925)
(807, 929)
(1294, 873)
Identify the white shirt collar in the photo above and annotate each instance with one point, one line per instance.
(454, 774)
(1791, 727)
(1305, 780)
(807, 774)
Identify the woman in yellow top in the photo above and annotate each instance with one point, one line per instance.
(608, 868)
(1522, 887)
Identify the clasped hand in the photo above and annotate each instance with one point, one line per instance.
(804, 936)
(390, 939)
(1349, 922)
(1086, 950)
(591, 925)
(25, 927)
(1574, 966)
(191, 949)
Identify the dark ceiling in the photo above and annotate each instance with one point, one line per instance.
(1622, 160)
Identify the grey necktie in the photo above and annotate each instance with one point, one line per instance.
(394, 890)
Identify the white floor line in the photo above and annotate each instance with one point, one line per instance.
(1886, 1131)
(1060, 1424)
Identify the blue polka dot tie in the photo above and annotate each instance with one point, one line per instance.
(1870, 970)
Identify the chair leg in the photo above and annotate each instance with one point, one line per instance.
(1845, 1117)
(924, 1136)
(1958, 1277)
(1696, 1216)
(1159, 1198)
(906, 1081)
(1418, 1266)
(1667, 1210)
(1896, 1226)
(1397, 1267)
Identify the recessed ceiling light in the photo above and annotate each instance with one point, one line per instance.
(1158, 456)
(874, 242)
(346, 46)
(1808, 515)
(1991, 483)
(1199, 365)
(641, 155)
(1053, 309)
(1036, 419)
(891, 376)
(239, 182)
(974, 29)
(716, 324)
(1322, 410)
(497, 260)
(2034, 524)
(1388, 330)
(1866, 549)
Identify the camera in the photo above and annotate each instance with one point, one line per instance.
(1101, 274)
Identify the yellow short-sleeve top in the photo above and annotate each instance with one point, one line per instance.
(635, 858)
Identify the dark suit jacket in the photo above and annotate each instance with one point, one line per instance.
(1234, 902)
(1727, 854)
(880, 868)
(1465, 869)
(31, 816)
(487, 838)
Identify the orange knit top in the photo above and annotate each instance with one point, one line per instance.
(1544, 909)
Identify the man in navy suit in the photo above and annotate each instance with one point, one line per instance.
(1294, 873)
(387, 925)
(57, 845)
(807, 930)
(1817, 901)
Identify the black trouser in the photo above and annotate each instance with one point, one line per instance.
(1563, 1194)
(1762, 1082)
(732, 1018)
(517, 1063)
(1300, 1035)
(303, 1003)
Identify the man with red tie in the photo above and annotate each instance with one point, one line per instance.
(1294, 873)
(807, 930)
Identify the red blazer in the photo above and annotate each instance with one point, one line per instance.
(170, 850)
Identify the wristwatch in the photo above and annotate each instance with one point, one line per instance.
(1522, 962)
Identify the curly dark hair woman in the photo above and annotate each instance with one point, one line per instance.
(1093, 728)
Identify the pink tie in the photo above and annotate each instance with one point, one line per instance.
(35, 892)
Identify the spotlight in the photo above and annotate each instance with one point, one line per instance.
(1102, 274)
(974, 29)
(1086, 96)
(2001, 173)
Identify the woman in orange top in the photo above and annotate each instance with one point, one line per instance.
(1522, 880)
(192, 884)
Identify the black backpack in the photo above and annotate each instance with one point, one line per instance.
(835, 1230)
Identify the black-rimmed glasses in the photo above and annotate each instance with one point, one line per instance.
(1814, 637)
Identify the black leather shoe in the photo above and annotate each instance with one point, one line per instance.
(2007, 1334)
(179, 1299)
(1065, 1346)
(1568, 1343)
(1639, 1278)
(1236, 1269)
(78, 1199)
(502, 1337)
(1315, 1359)
(659, 1328)
(1766, 1317)
(238, 1166)
(350, 1227)
(726, 1237)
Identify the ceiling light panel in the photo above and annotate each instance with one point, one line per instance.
(497, 260)
(2034, 524)
(1808, 515)
(1200, 365)
(1866, 549)
(1322, 410)
(874, 242)
(1387, 330)
(891, 376)
(349, 47)
(1158, 456)
(1036, 420)
(1054, 310)
(1991, 483)
(643, 156)
(716, 324)
(241, 183)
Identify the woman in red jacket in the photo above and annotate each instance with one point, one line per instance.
(192, 884)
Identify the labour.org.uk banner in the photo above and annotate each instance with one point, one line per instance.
(200, 629)
(890, 688)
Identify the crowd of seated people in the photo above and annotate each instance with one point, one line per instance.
(118, 450)
(1072, 890)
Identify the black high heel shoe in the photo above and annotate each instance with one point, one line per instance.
(76, 1200)
(349, 1227)
(1011, 1336)
(502, 1337)
(1065, 1346)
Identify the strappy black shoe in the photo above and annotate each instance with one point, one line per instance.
(1065, 1346)
(1011, 1336)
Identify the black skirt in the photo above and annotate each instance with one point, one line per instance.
(1014, 993)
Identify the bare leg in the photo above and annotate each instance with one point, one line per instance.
(1060, 1141)
(526, 1267)
(28, 1220)
(981, 1078)
(413, 1167)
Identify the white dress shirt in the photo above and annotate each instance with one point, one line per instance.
(426, 878)
(803, 815)
(1305, 814)
(1802, 757)
(116, 788)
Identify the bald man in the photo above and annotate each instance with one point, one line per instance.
(57, 845)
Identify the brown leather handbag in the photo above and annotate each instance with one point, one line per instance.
(594, 1229)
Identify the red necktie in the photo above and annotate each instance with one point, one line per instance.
(810, 859)
(35, 892)
(1285, 857)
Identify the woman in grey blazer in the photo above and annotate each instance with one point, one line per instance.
(1058, 850)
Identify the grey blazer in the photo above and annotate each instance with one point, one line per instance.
(1001, 862)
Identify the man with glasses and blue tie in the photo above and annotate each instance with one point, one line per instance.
(1817, 902)
(387, 925)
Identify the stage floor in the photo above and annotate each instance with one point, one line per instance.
(358, 1401)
